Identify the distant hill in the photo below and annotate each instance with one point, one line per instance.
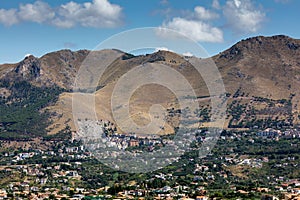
(261, 75)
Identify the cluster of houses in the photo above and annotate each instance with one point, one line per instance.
(39, 178)
(272, 133)
(252, 162)
(124, 141)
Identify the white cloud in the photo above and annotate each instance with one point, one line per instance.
(205, 14)
(27, 55)
(63, 23)
(37, 12)
(195, 25)
(196, 30)
(8, 17)
(188, 54)
(162, 49)
(98, 14)
(216, 4)
(237, 3)
(242, 16)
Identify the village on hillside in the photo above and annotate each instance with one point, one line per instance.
(236, 168)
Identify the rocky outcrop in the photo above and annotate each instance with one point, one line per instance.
(29, 68)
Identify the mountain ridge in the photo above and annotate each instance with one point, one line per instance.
(257, 67)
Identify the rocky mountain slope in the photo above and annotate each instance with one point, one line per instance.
(262, 66)
(56, 68)
(260, 74)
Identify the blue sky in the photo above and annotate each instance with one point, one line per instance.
(40, 26)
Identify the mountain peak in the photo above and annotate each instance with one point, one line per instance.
(277, 41)
(261, 40)
(28, 56)
(29, 67)
(261, 45)
(163, 55)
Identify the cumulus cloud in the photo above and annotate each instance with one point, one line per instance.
(188, 54)
(242, 16)
(37, 12)
(162, 49)
(216, 4)
(8, 17)
(195, 25)
(63, 23)
(204, 14)
(194, 29)
(98, 14)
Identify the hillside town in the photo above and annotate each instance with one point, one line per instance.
(61, 171)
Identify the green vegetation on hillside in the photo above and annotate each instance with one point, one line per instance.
(21, 115)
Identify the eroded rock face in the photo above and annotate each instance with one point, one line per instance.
(30, 68)
(53, 69)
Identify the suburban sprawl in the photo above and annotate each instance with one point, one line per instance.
(245, 164)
